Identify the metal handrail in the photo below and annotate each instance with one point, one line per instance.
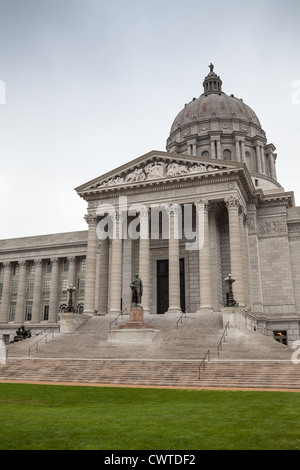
(52, 330)
(116, 318)
(181, 316)
(223, 338)
(202, 363)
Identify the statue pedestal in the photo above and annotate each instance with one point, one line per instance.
(135, 331)
(136, 319)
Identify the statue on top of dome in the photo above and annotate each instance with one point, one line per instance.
(211, 66)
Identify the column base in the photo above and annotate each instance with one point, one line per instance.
(174, 311)
(90, 313)
(207, 309)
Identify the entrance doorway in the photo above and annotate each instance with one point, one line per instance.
(162, 287)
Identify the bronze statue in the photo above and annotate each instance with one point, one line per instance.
(137, 291)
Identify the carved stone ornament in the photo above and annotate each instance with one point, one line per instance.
(272, 228)
(157, 170)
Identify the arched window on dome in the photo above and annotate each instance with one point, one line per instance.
(227, 155)
(205, 154)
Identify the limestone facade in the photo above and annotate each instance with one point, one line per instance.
(183, 219)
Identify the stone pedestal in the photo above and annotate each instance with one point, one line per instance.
(69, 322)
(231, 315)
(136, 319)
(2, 352)
(134, 331)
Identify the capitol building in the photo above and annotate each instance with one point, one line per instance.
(184, 219)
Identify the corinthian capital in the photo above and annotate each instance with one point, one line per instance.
(232, 202)
(91, 219)
(202, 204)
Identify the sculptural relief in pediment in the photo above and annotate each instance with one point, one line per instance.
(157, 170)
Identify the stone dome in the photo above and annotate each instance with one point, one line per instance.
(215, 106)
(221, 126)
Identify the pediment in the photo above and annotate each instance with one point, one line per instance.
(153, 168)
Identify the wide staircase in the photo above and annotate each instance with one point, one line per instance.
(237, 359)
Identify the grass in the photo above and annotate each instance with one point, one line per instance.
(53, 417)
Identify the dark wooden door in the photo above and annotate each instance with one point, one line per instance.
(163, 285)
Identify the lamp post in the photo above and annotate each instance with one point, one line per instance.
(230, 300)
(70, 307)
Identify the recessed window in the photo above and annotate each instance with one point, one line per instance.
(280, 336)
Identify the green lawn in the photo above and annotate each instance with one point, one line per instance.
(70, 417)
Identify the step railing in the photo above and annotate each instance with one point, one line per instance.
(51, 331)
(222, 340)
(202, 363)
(116, 318)
(181, 317)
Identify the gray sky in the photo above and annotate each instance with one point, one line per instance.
(92, 84)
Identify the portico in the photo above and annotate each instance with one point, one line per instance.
(183, 214)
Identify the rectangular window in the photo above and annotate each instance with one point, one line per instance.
(12, 312)
(46, 313)
(31, 269)
(82, 264)
(65, 266)
(81, 285)
(14, 288)
(16, 269)
(1, 288)
(63, 285)
(30, 288)
(28, 311)
(47, 286)
(48, 267)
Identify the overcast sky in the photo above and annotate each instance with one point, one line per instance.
(87, 85)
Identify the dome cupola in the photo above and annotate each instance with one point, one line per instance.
(212, 83)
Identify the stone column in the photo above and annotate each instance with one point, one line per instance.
(244, 253)
(212, 148)
(174, 266)
(237, 150)
(37, 291)
(116, 266)
(263, 161)
(272, 166)
(243, 151)
(202, 208)
(103, 277)
(5, 299)
(54, 290)
(233, 206)
(20, 308)
(258, 159)
(90, 272)
(144, 258)
(72, 277)
(195, 150)
(219, 149)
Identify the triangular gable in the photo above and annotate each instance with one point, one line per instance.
(155, 166)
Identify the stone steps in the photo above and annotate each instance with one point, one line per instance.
(217, 374)
(247, 359)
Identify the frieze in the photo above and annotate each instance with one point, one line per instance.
(272, 228)
(294, 228)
